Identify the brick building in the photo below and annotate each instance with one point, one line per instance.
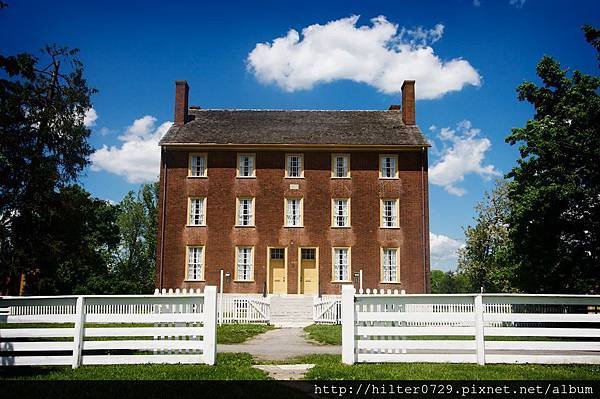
(295, 202)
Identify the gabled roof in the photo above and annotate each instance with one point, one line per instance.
(294, 127)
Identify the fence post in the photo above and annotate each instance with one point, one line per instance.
(78, 331)
(479, 333)
(210, 324)
(348, 324)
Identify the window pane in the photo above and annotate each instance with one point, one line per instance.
(246, 165)
(340, 264)
(341, 166)
(389, 213)
(244, 263)
(196, 211)
(340, 212)
(277, 253)
(390, 265)
(294, 166)
(198, 165)
(194, 263)
(294, 212)
(245, 216)
(308, 253)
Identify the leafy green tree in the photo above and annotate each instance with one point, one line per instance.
(449, 283)
(43, 147)
(555, 190)
(81, 234)
(485, 260)
(136, 259)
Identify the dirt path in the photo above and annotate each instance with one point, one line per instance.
(280, 344)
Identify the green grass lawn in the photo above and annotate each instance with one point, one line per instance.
(229, 366)
(238, 333)
(325, 333)
(329, 367)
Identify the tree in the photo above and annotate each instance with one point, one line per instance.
(485, 260)
(449, 283)
(80, 234)
(43, 147)
(136, 265)
(555, 190)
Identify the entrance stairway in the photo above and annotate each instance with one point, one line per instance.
(291, 310)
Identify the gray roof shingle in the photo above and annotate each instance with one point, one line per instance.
(295, 127)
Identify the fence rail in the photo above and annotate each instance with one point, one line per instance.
(486, 328)
(168, 329)
(327, 309)
(244, 308)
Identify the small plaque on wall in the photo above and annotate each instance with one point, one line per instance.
(294, 186)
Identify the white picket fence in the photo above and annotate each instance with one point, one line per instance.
(244, 308)
(168, 329)
(328, 310)
(377, 327)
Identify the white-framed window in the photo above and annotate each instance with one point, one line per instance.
(246, 165)
(388, 166)
(294, 165)
(340, 166)
(389, 212)
(244, 270)
(341, 264)
(195, 264)
(197, 211)
(197, 165)
(245, 212)
(389, 265)
(341, 212)
(294, 212)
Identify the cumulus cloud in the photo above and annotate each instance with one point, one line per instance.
(463, 153)
(138, 158)
(380, 55)
(90, 117)
(444, 251)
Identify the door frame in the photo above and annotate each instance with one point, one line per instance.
(300, 267)
(285, 266)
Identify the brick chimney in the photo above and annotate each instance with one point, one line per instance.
(181, 102)
(408, 102)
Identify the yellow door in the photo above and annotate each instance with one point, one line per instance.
(277, 278)
(308, 270)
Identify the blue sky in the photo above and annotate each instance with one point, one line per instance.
(133, 51)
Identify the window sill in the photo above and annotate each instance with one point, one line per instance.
(341, 227)
(244, 226)
(389, 178)
(245, 177)
(195, 225)
(194, 281)
(341, 281)
(294, 227)
(390, 228)
(340, 178)
(389, 282)
(197, 177)
(243, 281)
(294, 177)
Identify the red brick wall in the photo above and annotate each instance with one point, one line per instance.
(365, 237)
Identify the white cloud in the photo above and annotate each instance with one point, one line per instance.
(517, 3)
(476, 3)
(377, 55)
(138, 158)
(463, 153)
(89, 118)
(444, 251)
